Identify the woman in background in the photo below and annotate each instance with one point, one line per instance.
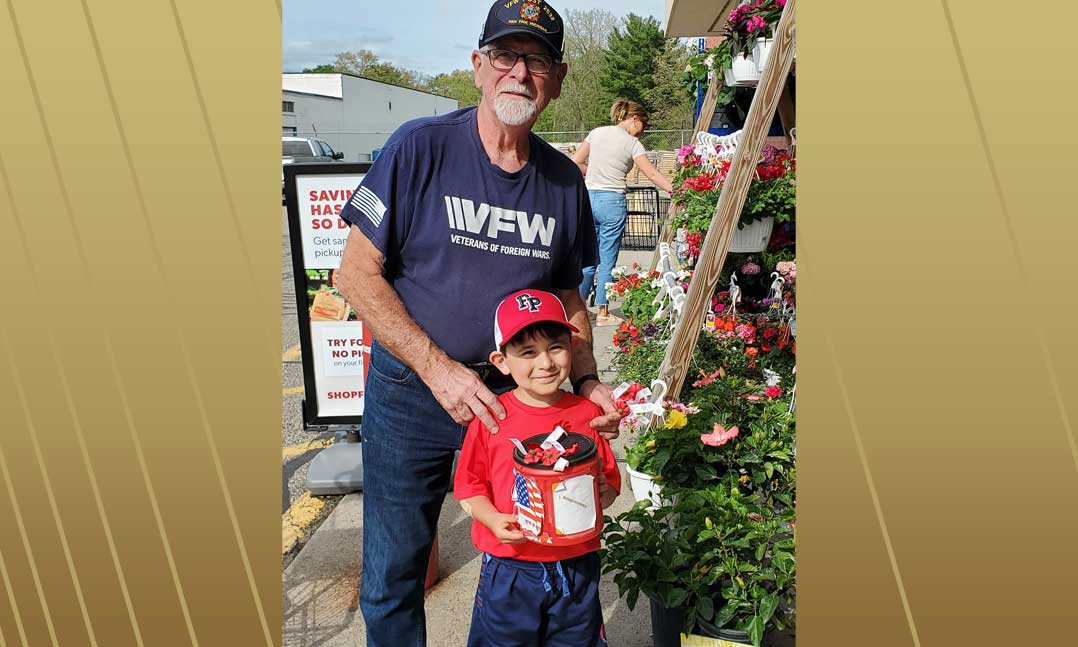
(605, 157)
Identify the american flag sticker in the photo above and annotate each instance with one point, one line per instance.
(529, 507)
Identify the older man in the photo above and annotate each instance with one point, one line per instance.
(459, 211)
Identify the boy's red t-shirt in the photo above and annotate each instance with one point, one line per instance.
(486, 467)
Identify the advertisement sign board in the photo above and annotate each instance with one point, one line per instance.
(334, 343)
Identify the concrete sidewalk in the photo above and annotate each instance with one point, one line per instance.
(320, 585)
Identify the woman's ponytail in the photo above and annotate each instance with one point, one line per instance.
(623, 109)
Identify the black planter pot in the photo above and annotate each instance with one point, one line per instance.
(709, 630)
(665, 625)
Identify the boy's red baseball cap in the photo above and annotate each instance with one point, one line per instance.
(525, 307)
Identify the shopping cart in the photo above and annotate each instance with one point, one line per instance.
(646, 213)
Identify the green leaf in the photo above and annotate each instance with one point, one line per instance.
(767, 607)
(631, 596)
(676, 598)
(769, 469)
(705, 608)
(756, 630)
(726, 613)
(760, 551)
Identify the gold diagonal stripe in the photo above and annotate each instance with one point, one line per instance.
(69, 211)
(29, 557)
(18, 223)
(1008, 226)
(149, 488)
(11, 591)
(49, 494)
(93, 485)
(33, 282)
(160, 267)
(208, 429)
(217, 157)
(872, 492)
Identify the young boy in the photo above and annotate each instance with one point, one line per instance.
(530, 593)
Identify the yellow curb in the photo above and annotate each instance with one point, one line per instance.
(297, 518)
(291, 354)
(303, 448)
(292, 390)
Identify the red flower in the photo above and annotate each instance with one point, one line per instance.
(770, 333)
(773, 392)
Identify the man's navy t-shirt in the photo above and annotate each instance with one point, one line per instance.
(459, 233)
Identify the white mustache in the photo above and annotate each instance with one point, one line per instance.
(516, 88)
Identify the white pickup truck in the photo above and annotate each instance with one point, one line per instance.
(305, 150)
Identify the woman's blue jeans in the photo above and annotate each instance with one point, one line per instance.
(609, 213)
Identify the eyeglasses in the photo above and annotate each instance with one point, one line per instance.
(506, 59)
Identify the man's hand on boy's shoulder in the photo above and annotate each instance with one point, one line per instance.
(599, 393)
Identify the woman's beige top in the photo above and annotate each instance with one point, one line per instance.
(610, 158)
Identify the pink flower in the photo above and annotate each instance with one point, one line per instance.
(773, 392)
(707, 379)
(719, 436)
(752, 397)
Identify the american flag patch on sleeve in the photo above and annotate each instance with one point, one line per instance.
(369, 204)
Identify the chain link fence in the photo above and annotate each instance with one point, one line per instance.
(653, 140)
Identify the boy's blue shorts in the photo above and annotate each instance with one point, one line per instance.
(532, 604)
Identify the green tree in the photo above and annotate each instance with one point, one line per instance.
(325, 68)
(584, 103)
(355, 62)
(389, 73)
(671, 107)
(631, 58)
(459, 85)
(365, 63)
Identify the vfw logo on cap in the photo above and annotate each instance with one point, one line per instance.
(529, 11)
(528, 302)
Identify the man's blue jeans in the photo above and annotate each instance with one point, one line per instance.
(408, 446)
(609, 213)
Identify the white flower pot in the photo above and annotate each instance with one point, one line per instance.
(761, 51)
(744, 71)
(728, 77)
(752, 237)
(644, 487)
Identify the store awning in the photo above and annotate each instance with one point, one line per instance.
(689, 18)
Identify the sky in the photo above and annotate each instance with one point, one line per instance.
(427, 36)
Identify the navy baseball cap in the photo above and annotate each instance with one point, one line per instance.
(528, 17)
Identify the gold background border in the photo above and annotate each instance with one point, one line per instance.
(140, 354)
(938, 461)
(139, 365)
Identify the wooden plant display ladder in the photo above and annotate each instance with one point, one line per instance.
(707, 110)
(675, 365)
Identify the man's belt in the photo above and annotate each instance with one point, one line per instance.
(490, 375)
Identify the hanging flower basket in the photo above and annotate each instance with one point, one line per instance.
(752, 237)
(728, 77)
(744, 71)
(761, 51)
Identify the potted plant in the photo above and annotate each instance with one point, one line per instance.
(717, 556)
(771, 198)
(648, 456)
